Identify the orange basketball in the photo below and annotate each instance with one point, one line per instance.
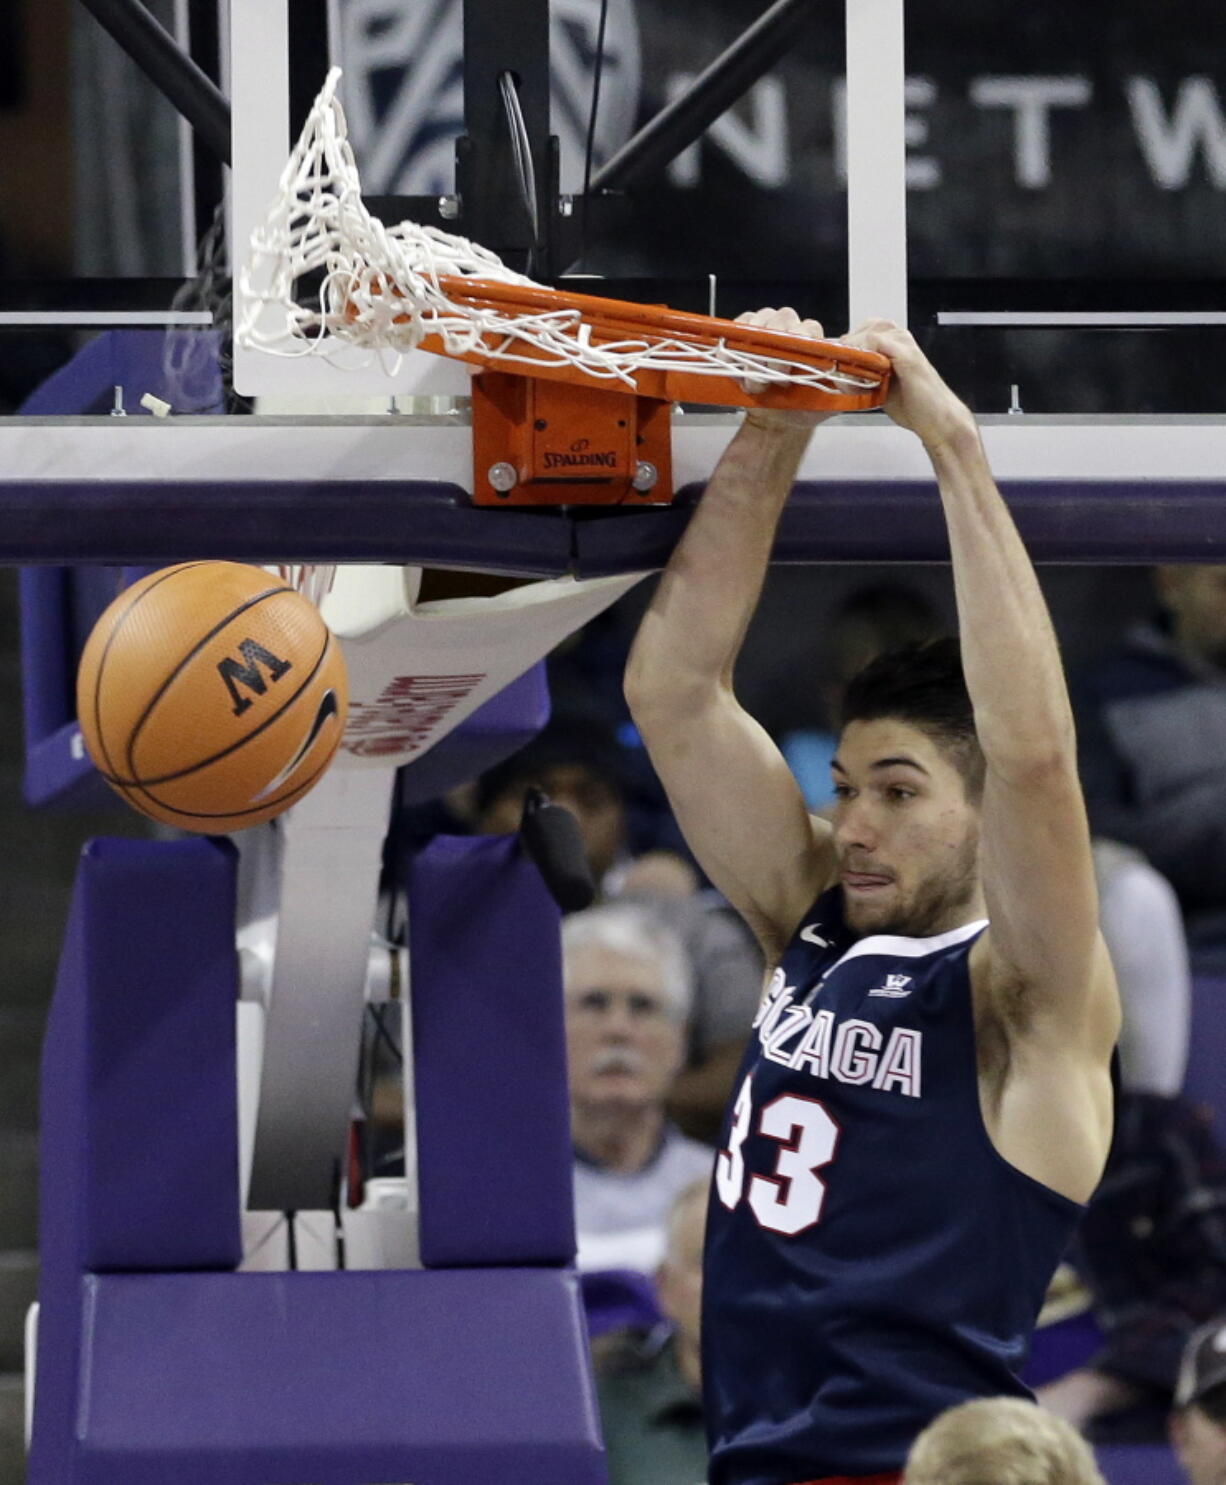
(211, 696)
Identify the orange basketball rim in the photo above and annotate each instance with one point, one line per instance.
(573, 407)
(852, 380)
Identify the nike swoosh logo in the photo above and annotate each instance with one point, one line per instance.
(811, 936)
(329, 707)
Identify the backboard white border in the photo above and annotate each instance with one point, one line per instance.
(861, 447)
(876, 161)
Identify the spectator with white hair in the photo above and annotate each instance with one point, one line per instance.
(628, 993)
(1000, 1441)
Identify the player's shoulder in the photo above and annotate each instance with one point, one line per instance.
(1025, 1008)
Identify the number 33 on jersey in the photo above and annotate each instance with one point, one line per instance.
(790, 1199)
(811, 1039)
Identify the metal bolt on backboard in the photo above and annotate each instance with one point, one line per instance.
(645, 476)
(503, 477)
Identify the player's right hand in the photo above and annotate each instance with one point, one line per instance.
(790, 322)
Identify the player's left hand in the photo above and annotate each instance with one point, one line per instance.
(918, 398)
(790, 322)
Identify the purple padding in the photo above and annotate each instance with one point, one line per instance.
(1095, 521)
(139, 1139)
(1139, 1464)
(501, 727)
(489, 1057)
(132, 521)
(150, 1144)
(617, 1297)
(1205, 1080)
(336, 1379)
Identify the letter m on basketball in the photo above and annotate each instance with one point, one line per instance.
(246, 672)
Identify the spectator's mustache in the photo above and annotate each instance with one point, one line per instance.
(617, 1059)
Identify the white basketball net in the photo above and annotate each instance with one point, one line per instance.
(312, 579)
(381, 292)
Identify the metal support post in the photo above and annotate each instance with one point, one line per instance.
(502, 40)
(728, 78)
(196, 97)
(876, 162)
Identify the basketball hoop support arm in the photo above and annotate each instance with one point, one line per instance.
(712, 93)
(497, 39)
(176, 76)
(500, 38)
(488, 206)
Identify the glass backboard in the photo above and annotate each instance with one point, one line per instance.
(1062, 172)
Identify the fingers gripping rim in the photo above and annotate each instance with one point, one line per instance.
(661, 352)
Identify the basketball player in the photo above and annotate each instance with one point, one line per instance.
(925, 1103)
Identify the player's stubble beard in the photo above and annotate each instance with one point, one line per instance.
(936, 905)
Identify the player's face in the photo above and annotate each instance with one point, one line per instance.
(1201, 1446)
(907, 836)
(623, 1044)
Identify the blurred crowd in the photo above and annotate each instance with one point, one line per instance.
(661, 981)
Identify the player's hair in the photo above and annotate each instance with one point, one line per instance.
(636, 930)
(1000, 1441)
(922, 684)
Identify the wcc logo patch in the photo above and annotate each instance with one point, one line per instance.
(895, 987)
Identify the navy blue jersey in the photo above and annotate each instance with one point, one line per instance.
(871, 1258)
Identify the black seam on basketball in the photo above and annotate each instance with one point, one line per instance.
(106, 650)
(191, 655)
(167, 778)
(281, 802)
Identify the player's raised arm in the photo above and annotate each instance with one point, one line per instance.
(1043, 946)
(732, 793)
